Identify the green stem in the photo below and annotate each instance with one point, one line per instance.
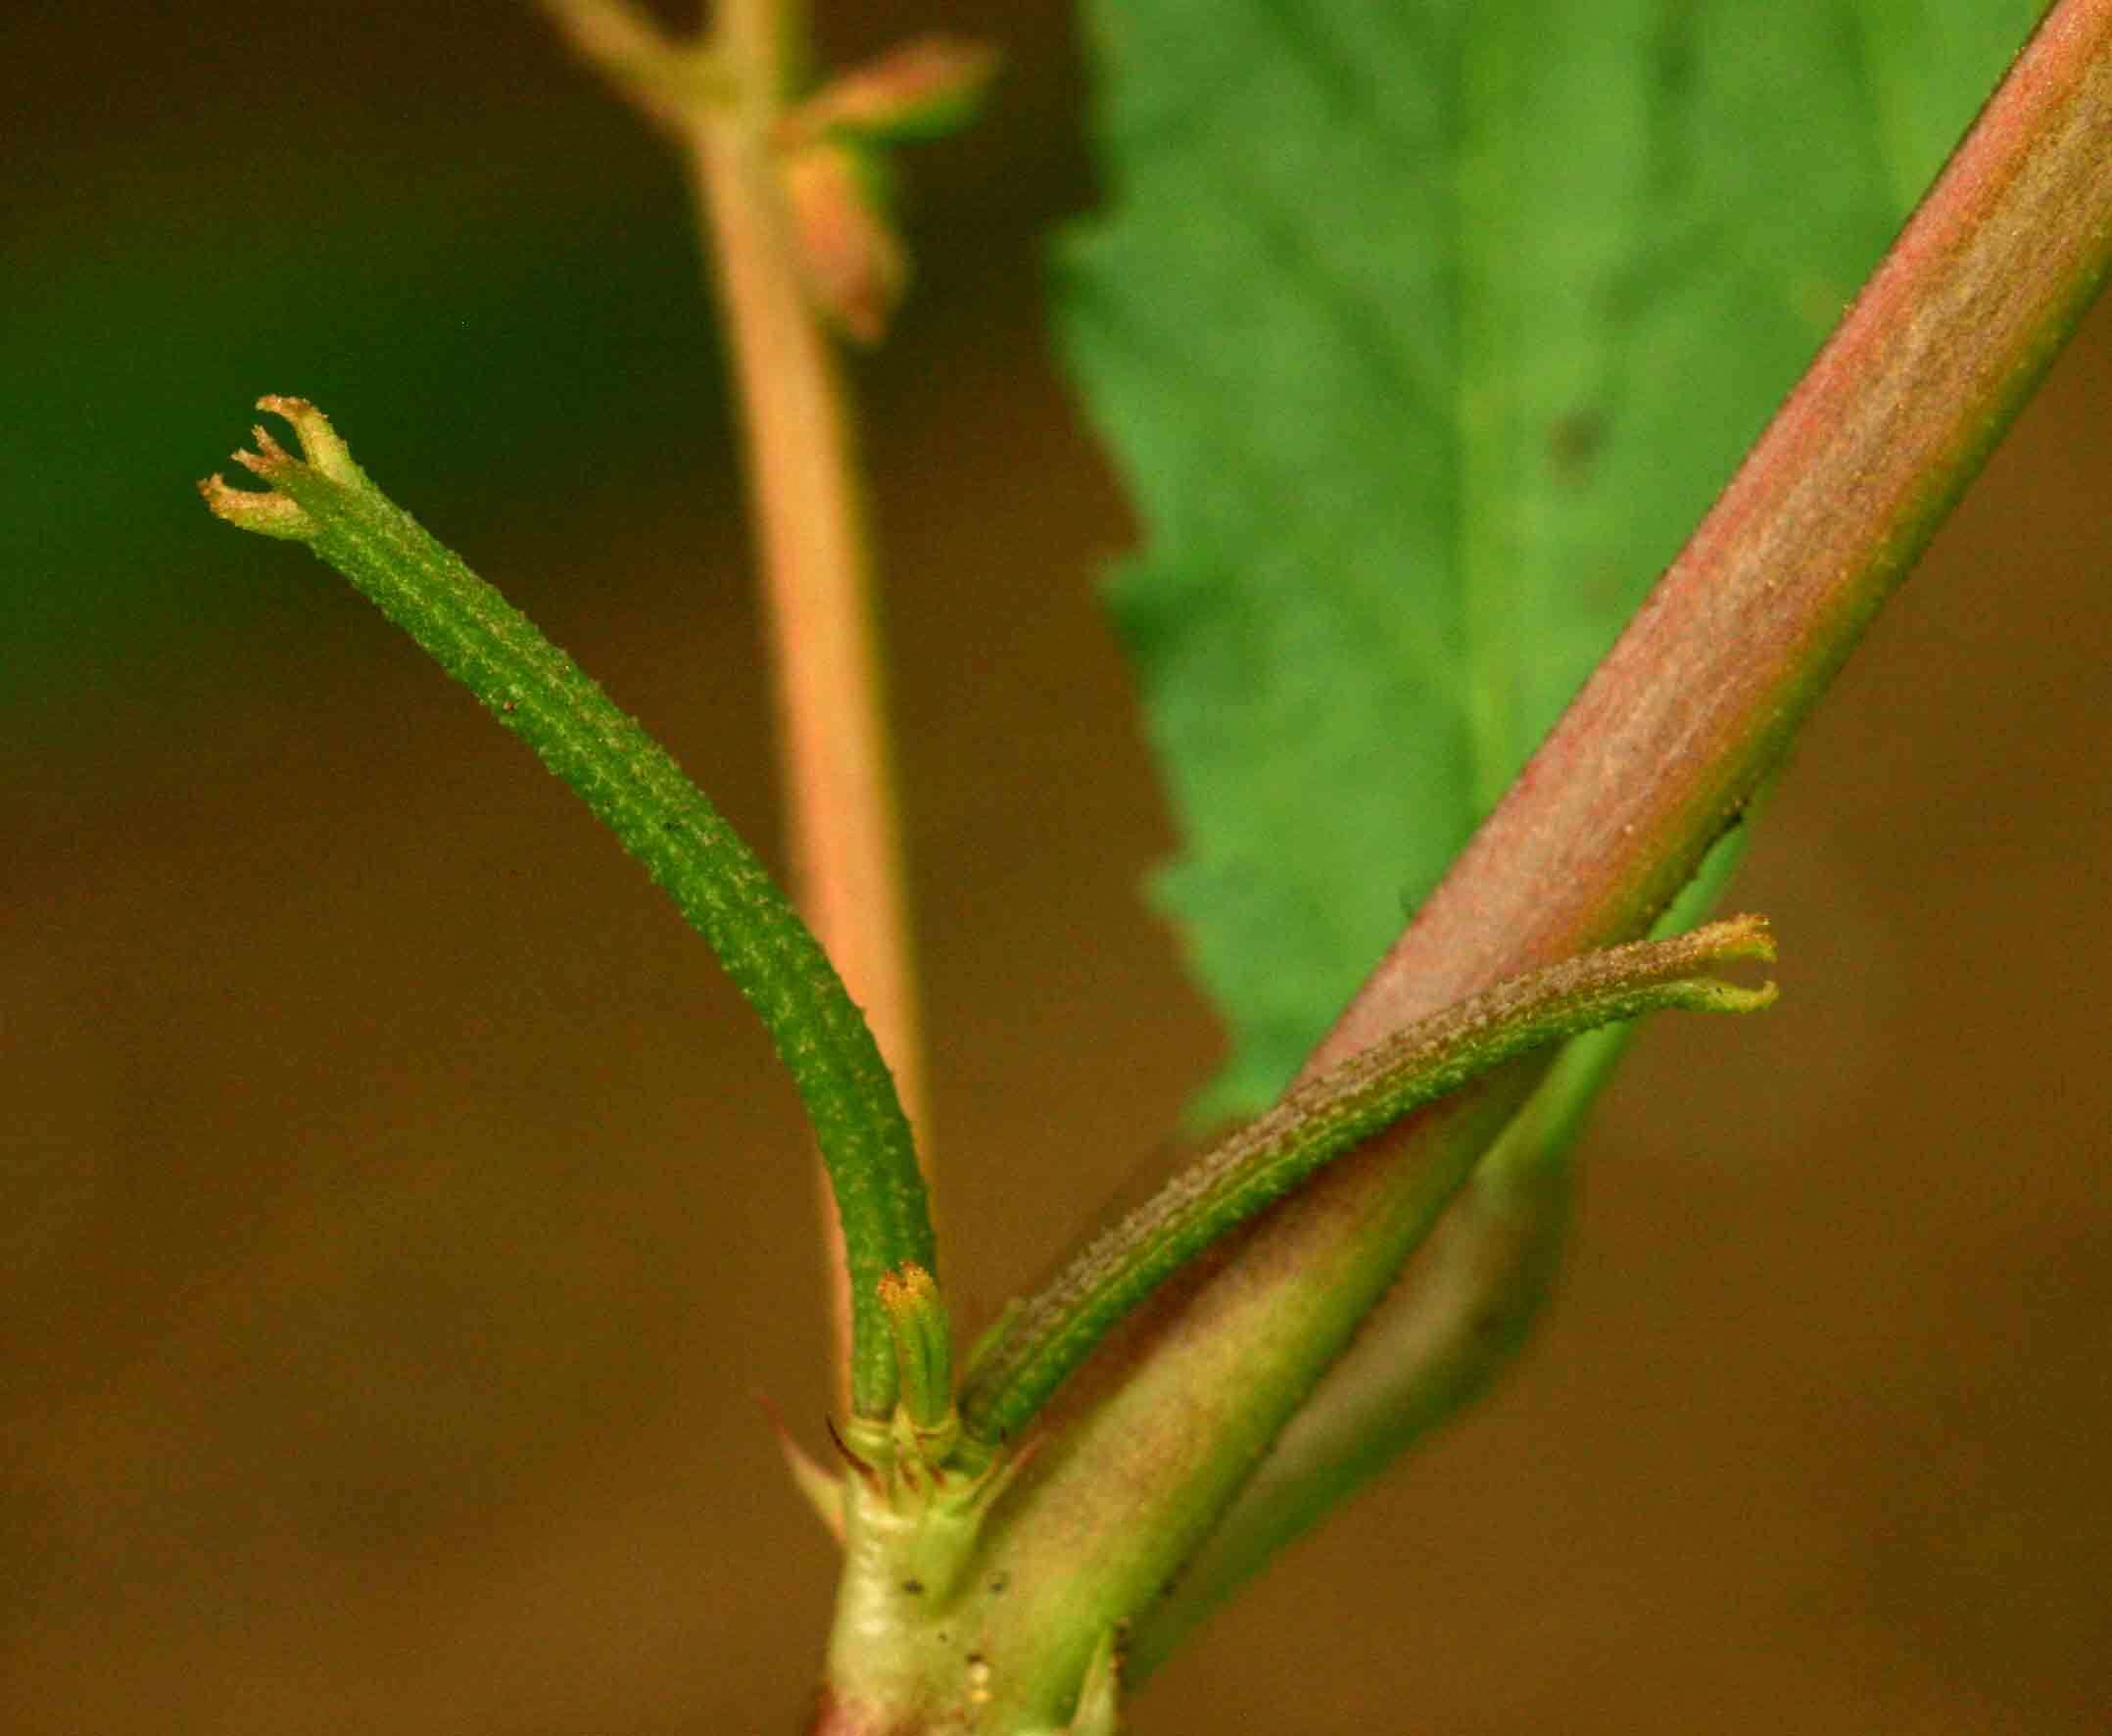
(1319, 1121)
(637, 790)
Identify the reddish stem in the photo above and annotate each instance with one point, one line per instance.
(1671, 738)
(1702, 694)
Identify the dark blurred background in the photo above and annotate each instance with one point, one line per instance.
(398, 1214)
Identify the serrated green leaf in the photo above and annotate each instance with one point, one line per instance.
(1423, 332)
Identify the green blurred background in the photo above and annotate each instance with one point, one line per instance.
(397, 1214)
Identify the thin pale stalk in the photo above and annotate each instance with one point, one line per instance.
(809, 510)
(1661, 752)
(808, 507)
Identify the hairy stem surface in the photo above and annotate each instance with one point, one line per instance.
(1053, 1333)
(635, 788)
